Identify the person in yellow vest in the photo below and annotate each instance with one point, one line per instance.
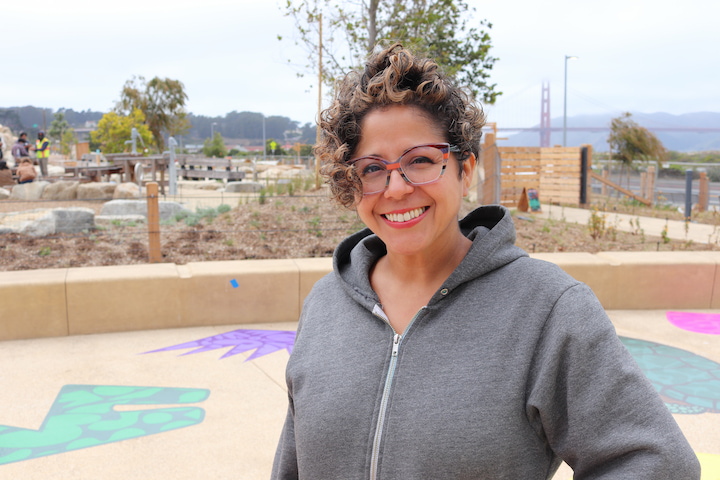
(42, 152)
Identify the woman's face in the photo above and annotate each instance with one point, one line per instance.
(430, 211)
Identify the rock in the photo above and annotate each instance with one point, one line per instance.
(4, 193)
(107, 220)
(36, 223)
(126, 190)
(60, 191)
(74, 219)
(28, 191)
(56, 171)
(96, 190)
(48, 221)
(139, 207)
(243, 187)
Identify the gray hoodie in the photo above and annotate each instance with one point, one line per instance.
(512, 366)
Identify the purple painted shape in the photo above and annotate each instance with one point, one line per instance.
(263, 342)
(708, 323)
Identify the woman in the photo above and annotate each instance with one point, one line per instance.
(437, 349)
(26, 172)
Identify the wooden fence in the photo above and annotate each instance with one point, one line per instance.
(554, 172)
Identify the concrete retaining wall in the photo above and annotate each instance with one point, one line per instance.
(76, 301)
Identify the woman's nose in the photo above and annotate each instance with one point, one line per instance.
(397, 186)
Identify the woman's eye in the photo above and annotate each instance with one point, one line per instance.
(371, 168)
(420, 160)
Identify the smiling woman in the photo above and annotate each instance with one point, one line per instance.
(427, 354)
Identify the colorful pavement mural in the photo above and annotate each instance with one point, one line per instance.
(263, 342)
(708, 323)
(82, 416)
(688, 383)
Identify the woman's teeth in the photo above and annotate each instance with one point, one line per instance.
(405, 217)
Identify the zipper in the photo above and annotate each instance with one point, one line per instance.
(397, 338)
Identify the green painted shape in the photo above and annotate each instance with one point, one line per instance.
(83, 416)
(159, 417)
(679, 376)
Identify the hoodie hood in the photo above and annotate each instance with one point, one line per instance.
(490, 228)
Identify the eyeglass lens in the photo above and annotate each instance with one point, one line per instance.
(420, 165)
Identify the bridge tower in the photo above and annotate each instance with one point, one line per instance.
(545, 115)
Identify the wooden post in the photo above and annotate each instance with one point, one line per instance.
(153, 222)
(589, 166)
(603, 187)
(488, 160)
(650, 192)
(704, 196)
(643, 183)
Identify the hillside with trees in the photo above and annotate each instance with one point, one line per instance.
(234, 125)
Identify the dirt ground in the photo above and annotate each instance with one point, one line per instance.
(282, 227)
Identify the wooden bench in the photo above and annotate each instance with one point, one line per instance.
(192, 168)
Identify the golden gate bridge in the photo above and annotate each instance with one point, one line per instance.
(545, 127)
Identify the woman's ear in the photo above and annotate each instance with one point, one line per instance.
(468, 167)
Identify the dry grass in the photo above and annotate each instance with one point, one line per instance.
(282, 227)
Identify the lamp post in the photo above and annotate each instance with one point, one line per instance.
(567, 57)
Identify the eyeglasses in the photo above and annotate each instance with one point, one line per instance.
(418, 165)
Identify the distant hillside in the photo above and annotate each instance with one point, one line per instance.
(677, 141)
(236, 125)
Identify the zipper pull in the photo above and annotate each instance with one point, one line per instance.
(396, 344)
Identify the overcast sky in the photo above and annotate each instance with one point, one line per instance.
(638, 55)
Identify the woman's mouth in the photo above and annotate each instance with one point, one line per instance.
(404, 217)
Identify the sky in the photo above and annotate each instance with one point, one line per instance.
(633, 55)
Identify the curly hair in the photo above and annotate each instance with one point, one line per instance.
(393, 76)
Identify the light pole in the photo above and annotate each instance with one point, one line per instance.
(264, 141)
(212, 130)
(567, 57)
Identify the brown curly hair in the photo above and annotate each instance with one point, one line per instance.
(392, 76)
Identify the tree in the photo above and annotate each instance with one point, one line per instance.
(215, 147)
(440, 29)
(114, 130)
(631, 142)
(68, 139)
(162, 102)
(58, 128)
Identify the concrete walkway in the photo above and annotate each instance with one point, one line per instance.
(697, 232)
(74, 410)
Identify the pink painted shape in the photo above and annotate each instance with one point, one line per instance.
(696, 322)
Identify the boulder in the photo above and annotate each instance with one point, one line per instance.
(4, 194)
(243, 187)
(139, 207)
(96, 190)
(56, 171)
(36, 223)
(47, 221)
(61, 191)
(28, 191)
(126, 190)
(74, 219)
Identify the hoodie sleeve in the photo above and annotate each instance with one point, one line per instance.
(285, 463)
(592, 404)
